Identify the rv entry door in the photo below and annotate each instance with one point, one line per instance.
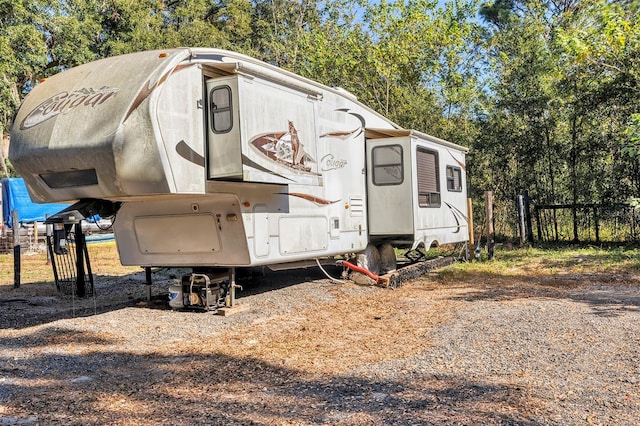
(224, 148)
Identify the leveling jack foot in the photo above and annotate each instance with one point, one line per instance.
(231, 310)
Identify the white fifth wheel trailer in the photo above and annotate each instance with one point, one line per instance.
(209, 159)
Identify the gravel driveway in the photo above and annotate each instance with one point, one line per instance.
(308, 351)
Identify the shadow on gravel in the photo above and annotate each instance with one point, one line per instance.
(607, 295)
(39, 303)
(106, 387)
(23, 311)
(261, 280)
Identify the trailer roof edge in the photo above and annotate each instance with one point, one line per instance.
(373, 133)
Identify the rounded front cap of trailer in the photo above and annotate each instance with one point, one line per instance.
(78, 121)
(105, 91)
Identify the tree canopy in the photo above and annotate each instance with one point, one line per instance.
(545, 93)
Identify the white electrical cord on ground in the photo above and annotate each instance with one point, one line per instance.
(335, 280)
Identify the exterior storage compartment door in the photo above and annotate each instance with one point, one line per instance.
(224, 148)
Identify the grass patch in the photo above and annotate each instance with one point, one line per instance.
(530, 261)
(35, 268)
(534, 261)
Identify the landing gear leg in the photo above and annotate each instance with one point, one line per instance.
(231, 298)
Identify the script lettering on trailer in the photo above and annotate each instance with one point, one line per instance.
(329, 162)
(63, 102)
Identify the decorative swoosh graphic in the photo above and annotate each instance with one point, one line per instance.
(363, 122)
(457, 215)
(149, 88)
(342, 135)
(249, 162)
(461, 164)
(358, 116)
(186, 152)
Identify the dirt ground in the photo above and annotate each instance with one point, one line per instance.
(513, 349)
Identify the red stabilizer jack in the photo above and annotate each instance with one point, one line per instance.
(361, 270)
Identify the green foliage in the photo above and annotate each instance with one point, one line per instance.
(546, 93)
(409, 60)
(8, 170)
(560, 111)
(632, 132)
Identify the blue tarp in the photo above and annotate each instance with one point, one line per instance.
(99, 238)
(16, 197)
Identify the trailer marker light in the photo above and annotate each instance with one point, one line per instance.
(246, 204)
(162, 55)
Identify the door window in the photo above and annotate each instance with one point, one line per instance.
(220, 107)
(387, 165)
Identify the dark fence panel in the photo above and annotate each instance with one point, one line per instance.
(71, 265)
(587, 223)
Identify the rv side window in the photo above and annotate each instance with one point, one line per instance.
(454, 179)
(428, 179)
(387, 165)
(220, 107)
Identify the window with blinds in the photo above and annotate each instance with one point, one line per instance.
(428, 179)
(454, 179)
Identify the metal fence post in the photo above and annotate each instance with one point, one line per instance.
(15, 227)
(489, 224)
